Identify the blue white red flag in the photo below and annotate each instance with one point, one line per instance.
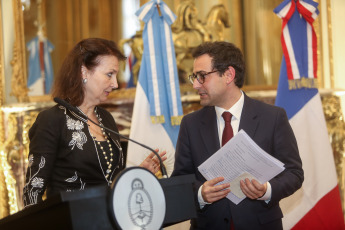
(157, 109)
(299, 41)
(317, 204)
(131, 60)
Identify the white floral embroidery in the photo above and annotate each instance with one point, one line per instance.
(37, 182)
(34, 196)
(74, 124)
(82, 185)
(62, 107)
(70, 123)
(34, 184)
(78, 139)
(31, 160)
(73, 178)
(79, 125)
(42, 163)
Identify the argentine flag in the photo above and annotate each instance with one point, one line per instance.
(157, 111)
(41, 73)
(317, 204)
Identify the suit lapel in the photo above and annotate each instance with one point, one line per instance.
(208, 124)
(249, 121)
(209, 131)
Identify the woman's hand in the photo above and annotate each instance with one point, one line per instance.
(152, 163)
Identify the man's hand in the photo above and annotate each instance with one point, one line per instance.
(211, 192)
(253, 189)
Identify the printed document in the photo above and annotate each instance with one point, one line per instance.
(238, 159)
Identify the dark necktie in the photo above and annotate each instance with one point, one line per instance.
(227, 133)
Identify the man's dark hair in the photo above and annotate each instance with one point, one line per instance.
(224, 54)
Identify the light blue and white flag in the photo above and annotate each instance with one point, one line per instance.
(41, 73)
(157, 109)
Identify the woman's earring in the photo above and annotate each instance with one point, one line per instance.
(84, 80)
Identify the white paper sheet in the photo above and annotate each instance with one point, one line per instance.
(238, 158)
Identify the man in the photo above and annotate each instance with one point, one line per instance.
(218, 76)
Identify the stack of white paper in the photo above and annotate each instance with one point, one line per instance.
(238, 159)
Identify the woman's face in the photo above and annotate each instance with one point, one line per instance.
(101, 81)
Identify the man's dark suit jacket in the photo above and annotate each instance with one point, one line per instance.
(269, 127)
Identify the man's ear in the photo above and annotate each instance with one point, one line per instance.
(230, 74)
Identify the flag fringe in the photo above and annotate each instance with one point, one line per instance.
(303, 83)
(176, 120)
(157, 119)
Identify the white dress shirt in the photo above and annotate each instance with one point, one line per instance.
(236, 111)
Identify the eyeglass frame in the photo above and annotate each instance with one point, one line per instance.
(194, 76)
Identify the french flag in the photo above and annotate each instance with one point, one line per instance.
(317, 205)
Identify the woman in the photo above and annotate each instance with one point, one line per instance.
(68, 153)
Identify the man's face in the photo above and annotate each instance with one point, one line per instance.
(212, 90)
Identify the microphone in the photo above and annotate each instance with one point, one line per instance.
(75, 110)
(70, 107)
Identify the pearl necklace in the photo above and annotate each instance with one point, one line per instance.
(109, 164)
(110, 161)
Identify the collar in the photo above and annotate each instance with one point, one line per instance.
(235, 110)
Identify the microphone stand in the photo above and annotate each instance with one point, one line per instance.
(73, 109)
(162, 166)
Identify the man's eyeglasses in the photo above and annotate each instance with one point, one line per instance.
(200, 76)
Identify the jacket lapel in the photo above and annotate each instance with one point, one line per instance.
(208, 125)
(209, 131)
(249, 121)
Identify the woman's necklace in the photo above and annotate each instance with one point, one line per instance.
(108, 159)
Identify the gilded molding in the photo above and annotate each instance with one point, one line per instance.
(318, 31)
(4, 209)
(2, 85)
(330, 42)
(336, 126)
(2, 71)
(6, 156)
(19, 74)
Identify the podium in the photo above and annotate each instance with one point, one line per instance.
(89, 209)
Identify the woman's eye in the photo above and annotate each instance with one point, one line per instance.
(109, 74)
